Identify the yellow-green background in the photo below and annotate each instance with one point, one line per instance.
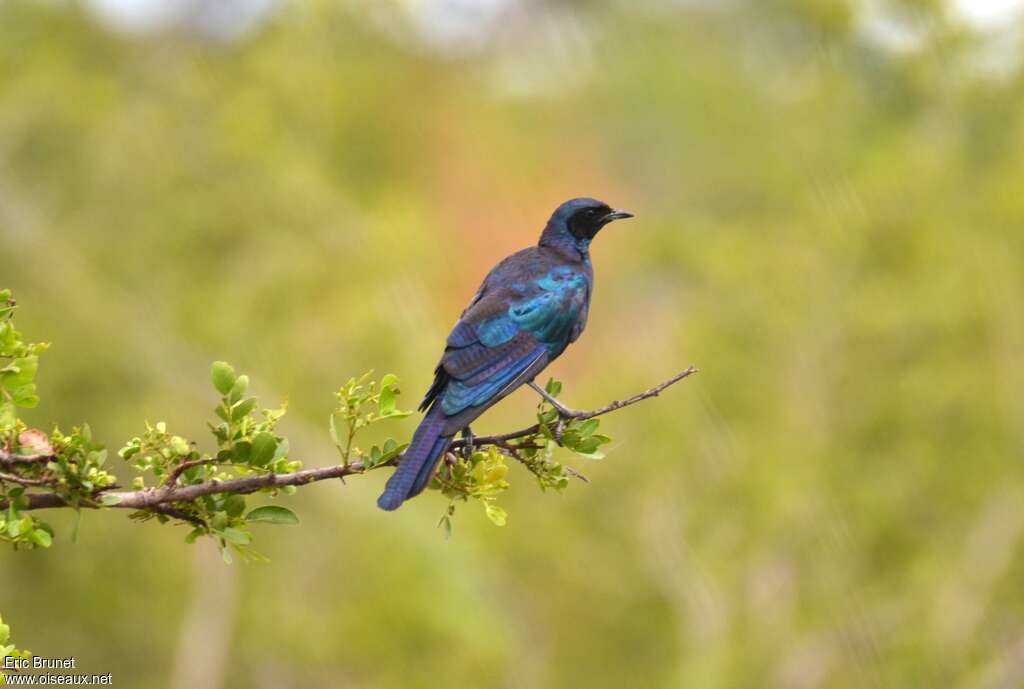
(830, 224)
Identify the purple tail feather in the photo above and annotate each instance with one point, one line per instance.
(417, 463)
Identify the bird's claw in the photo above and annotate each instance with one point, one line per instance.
(559, 428)
(467, 447)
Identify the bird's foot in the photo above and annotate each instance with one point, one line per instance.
(563, 411)
(559, 428)
(467, 447)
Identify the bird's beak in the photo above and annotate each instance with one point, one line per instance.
(617, 214)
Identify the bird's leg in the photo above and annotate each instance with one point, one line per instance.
(559, 428)
(562, 410)
(467, 448)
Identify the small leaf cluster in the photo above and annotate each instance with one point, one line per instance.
(71, 465)
(537, 451)
(75, 469)
(480, 476)
(243, 439)
(67, 464)
(19, 361)
(578, 435)
(362, 402)
(18, 527)
(8, 650)
(247, 445)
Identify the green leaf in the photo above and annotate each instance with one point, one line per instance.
(8, 415)
(234, 505)
(110, 499)
(587, 447)
(41, 538)
(239, 388)
(387, 400)
(242, 451)
(223, 376)
(334, 430)
(263, 447)
(496, 514)
(272, 514)
(179, 445)
(25, 396)
(219, 521)
(20, 527)
(20, 372)
(553, 387)
(236, 536)
(446, 524)
(595, 454)
(242, 409)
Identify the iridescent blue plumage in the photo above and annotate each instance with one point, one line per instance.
(530, 307)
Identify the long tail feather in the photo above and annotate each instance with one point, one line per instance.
(418, 462)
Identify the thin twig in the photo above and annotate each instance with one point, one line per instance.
(172, 478)
(178, 514)
(7, 457)
(646, 394)
(584, 415)
(572, 472)
(22, 481)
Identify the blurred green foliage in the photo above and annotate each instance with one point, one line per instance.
(828, 224)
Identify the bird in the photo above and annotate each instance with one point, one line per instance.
(530, 307)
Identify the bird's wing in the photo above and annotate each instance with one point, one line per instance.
(486, 353)
(506, 333)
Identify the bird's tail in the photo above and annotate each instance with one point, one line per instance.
(417, 463)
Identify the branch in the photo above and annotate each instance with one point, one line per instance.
(155, 497)
(161, 499)
(500, 440)
(10, 458)
(21, 481)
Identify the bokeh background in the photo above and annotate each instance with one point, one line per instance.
(829, 224)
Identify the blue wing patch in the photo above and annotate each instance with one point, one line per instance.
(497, 331)
(458, 396)
(486, 357)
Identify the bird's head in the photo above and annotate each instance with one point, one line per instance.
(578, 221)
